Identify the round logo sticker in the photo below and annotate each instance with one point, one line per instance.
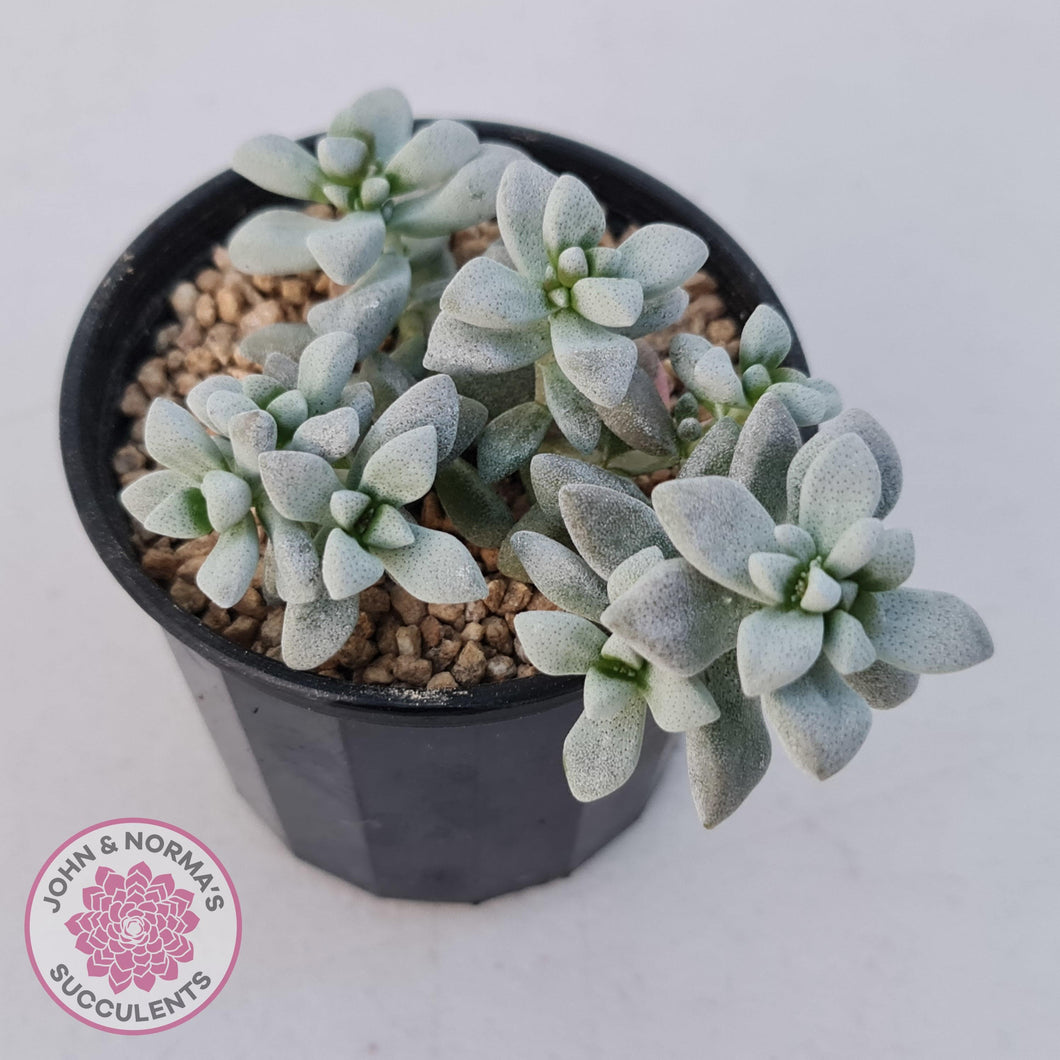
(133, 926)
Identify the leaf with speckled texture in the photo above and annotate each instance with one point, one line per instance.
(288, 339)
(711, 376)
(509, 441)
(767, 444)
(300, 485)
(924, 631)
(146, 493)
(290, 410)
(609, 302)
(765, 339)
(178, 441)
(773, 573)
(521, 199)
(279, 165)
(275, 242)
(607, 527)
(598, 362)
(562, 575)
(433, 400)
(855, 547)
(388, 529)
(795, 542)
(716, 523)
(559, 643)
(436, 568)
(846, 644)
(467, 199)
(600, 756)
(775, 648)
(820, 721)
(228, 498)
(347, 506)
(661, 257)
(433, 155)
(199, 396)
(572, 410)
(678, 704)
(822, 591)
(346, 249)
(629, 571)
(841, 486)
(325, 368)
(294, 559)
(604, 696)
(539, 522)
(346, 567)
(228, 570)
(313, 632)
(641, 419)
(181, 514)
(485, 294)
(252, 434)
(475, 509)
(858, 422)
(659, 313)
(330, 436)
(371, 307)
(713, 452)
(383, 117)
(727, 758)
(550, 472)
(892, 562)
(359, 397)
(340, 157)
(402, 470)
(454, 346)
(807, 404)
(883, 686)
(572, 216)
(260, 389)
(676, 618)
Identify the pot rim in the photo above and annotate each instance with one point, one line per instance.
(485, 702)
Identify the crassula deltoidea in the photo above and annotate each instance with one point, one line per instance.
(759, 590)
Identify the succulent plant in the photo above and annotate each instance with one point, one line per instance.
(708, 374)
(602, 749)
(826, 627)
(548, 294)
(727, 744)
(285, 445)
(757, 591)
(396, 190)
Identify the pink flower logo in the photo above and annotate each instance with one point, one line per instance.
(135, 927)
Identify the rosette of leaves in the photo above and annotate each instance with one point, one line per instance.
(357, 513)
(794, 540)
(285, 446)
(603, 748)
(335, 526)
(726, 741)
(210, 459)
(549, 295)
(395, 190)
(731, 391)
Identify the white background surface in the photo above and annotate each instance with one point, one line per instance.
(893, 168)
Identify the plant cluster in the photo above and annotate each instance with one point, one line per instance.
(758, 590)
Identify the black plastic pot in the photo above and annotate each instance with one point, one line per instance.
(449, 796)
